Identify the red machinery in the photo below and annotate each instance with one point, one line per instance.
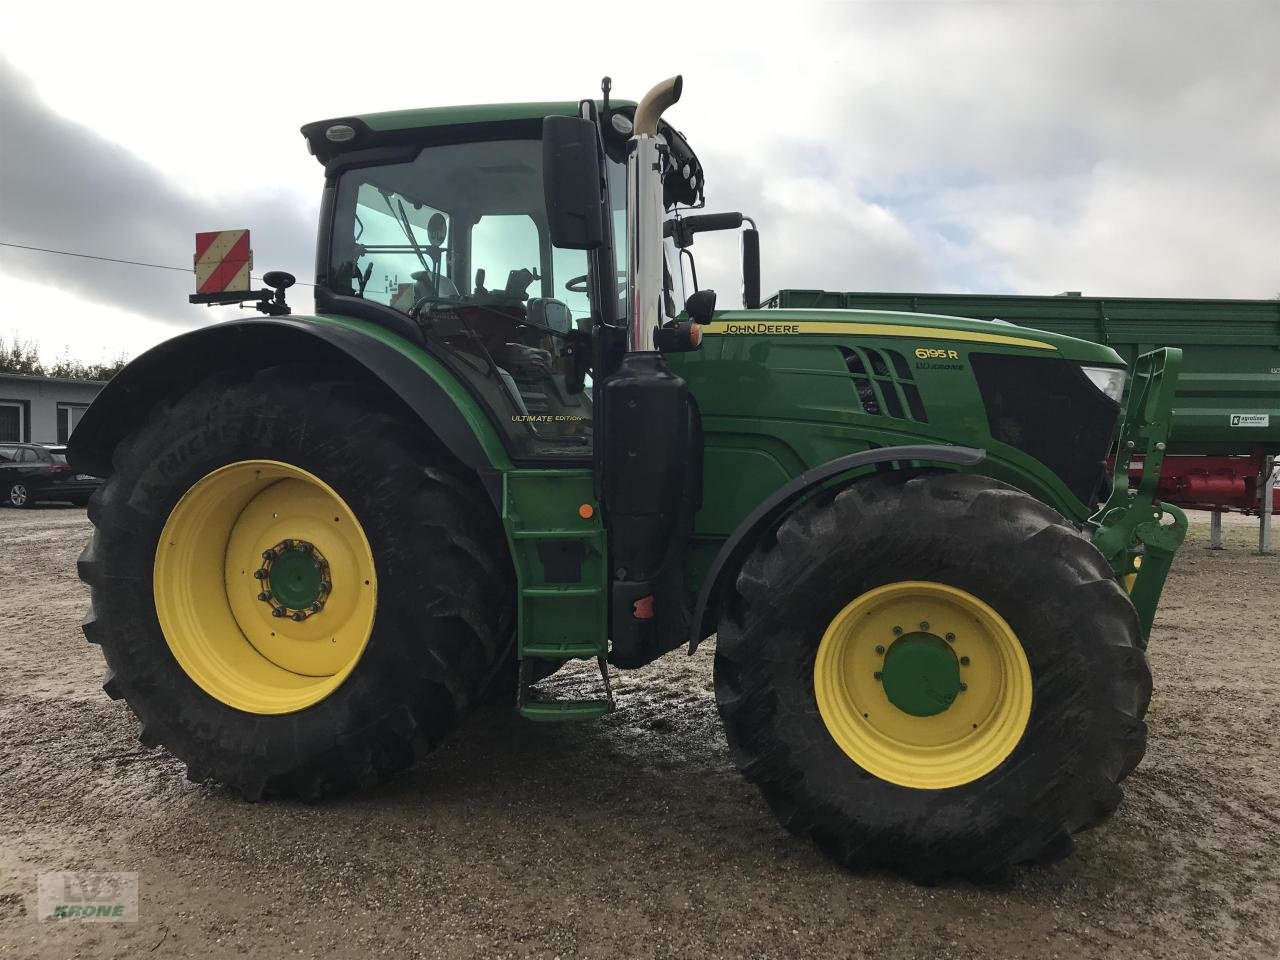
(1211, 482)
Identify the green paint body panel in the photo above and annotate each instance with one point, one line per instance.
(428, 117)
(774, 405)
(1230, 348)
(462, 398)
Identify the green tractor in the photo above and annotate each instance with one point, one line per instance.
(510, 438)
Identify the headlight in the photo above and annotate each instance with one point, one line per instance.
(1110, 380)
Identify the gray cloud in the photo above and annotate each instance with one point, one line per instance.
(1118, 148)
(1115, 148)
(65, 187)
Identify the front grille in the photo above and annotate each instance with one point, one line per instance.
(1047, 408)
(883, 382)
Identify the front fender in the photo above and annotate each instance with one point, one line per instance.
(770, 510)
(408, 373)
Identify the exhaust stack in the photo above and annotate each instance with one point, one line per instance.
(646, 163)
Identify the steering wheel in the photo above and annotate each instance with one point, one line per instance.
(422, 302)
(579, 284)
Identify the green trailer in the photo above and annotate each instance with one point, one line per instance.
(1228, 397)
(509, 438)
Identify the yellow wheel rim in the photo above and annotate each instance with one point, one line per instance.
(888, 658)
(257, 645)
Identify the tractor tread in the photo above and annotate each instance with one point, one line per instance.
(1077, 626)
(446, 587)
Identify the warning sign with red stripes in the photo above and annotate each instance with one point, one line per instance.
(223, 260)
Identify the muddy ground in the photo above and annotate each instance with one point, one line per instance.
(632, 836)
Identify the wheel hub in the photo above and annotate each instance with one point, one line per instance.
(295, 579)
(921, 674)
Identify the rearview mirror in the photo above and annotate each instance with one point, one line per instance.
(751, 269)
(571, 183)
(701, 305)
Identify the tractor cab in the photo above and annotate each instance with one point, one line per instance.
(440, 231)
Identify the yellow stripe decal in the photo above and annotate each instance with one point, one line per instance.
(791, 327)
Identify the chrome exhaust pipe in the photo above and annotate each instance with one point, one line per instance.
(653, 103)
(646, 162)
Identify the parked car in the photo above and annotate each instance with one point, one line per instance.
(32, 471)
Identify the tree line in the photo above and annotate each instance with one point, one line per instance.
(23, 356)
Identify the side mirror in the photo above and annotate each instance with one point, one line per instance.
(751, 269)
(683, 230)
(571, 183)
(701, 305)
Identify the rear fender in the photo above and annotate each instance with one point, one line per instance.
(409, 374)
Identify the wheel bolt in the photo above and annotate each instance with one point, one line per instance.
(878, 674)
(277, 612)
(264, 596)
(964, 661)
(260, 574)
(880, 649)
(924, 624)
(964, 687)
(951, 638)
(897, 631)
(268, 554)
(298, 616)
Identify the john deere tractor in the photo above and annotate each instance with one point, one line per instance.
(516, 434)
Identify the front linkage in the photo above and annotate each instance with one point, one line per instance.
(1131, 528)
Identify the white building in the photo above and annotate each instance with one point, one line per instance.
(42, 409)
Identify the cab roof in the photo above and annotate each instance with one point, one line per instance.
(396, 126)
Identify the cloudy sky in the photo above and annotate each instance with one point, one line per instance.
(1119, 148)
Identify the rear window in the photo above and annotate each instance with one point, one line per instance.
(59, 458)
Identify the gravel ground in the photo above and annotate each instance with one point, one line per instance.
(632, 836)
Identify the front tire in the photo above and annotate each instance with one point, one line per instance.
(20, 496)
(385, 606)
(935, 674)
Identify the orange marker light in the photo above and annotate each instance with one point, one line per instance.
(586, 511)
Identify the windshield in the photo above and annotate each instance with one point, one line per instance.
(457, 239)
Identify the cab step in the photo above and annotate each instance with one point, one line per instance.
(563, 710)
(562, 651)
(560, 710)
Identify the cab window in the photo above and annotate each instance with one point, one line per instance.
(456, 239)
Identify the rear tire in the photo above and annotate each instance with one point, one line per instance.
(20, 496)
(445, 597)
(1083, 731)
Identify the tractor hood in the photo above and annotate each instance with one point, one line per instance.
(923, 332)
